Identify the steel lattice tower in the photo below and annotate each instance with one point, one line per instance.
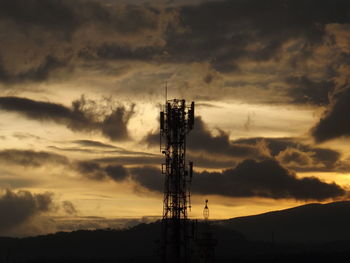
(176, 121)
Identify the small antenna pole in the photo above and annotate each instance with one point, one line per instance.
(166, 92)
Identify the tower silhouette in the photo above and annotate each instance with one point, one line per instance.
(176, 121)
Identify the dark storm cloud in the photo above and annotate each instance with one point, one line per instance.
(249, 178)
(228, 34)
(17, 208)
(76, 118)
(201, 140)
(145, 176)
(47, 14)
(237, 25)
(99, 169)
(116, 172)
(295, 18)
(225, 34)
(207, 150)
(335, 121)
(48, 35)
(116, 52)
(265, 179)
(298, 156)
(148, 177)
(95, 171)
(67, 16)
(114, 126)
(31, 158)
(306, 91)
(36, 74)
(91, 170)
(224, 28)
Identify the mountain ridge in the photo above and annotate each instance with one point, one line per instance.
(313, 222)
(235, 243)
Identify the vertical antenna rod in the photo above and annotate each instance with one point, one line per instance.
(166, 91)
(206, 211)
(176, 121)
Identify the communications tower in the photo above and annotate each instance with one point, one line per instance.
(176, 121)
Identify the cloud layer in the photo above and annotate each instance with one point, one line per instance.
(17, 208)
(334, 123)
(250, 178)
(201, 140)
(31, 158)
(265, 179)
(80, 117)
(220, 151)
(273, 52)
(299, 156)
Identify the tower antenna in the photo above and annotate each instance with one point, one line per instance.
(176, 121)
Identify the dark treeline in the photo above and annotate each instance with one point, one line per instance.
(140, 243)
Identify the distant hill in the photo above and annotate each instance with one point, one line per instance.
(95, 246)
(308, 233)
(308, 223)
(137, 244)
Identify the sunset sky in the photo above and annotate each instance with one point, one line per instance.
(82, 83)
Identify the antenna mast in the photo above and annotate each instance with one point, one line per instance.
(176, 121)
(166, 91)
